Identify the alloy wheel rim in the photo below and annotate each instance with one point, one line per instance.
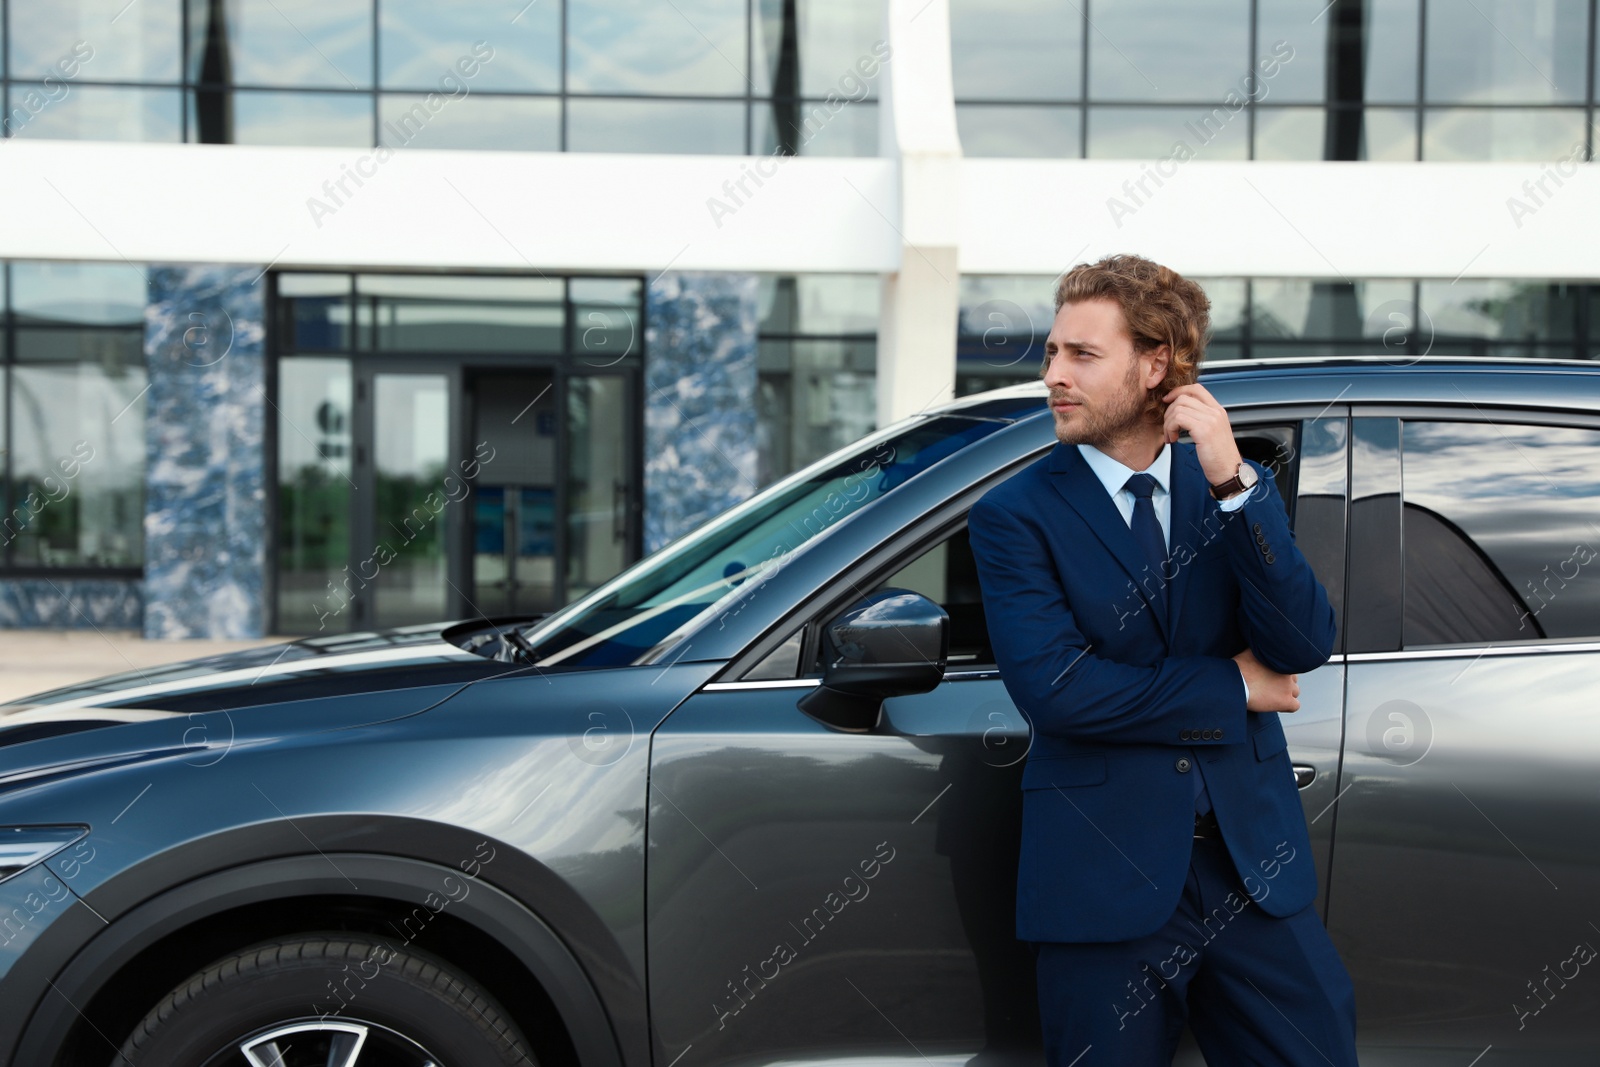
(317, 1042)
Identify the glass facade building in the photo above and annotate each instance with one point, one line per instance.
(1434, 80)
(392, 423)
(702, 76)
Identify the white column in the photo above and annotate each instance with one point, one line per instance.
(917, 128)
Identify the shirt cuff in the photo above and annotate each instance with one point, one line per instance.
(1246, 688)
(1235, 502)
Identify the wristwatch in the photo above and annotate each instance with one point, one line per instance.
(1243, 478)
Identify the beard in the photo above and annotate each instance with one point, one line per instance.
(1105, 423)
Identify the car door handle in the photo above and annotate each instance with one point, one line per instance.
(1304, 775)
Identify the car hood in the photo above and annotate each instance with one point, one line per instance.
(318, 683)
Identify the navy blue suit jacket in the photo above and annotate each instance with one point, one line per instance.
(1118, 692)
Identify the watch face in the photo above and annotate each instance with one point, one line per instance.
(1247, 475)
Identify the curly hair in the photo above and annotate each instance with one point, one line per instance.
(1160, 306)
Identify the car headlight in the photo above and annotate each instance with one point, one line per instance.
(22, 847)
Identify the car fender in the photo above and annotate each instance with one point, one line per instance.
(130, 918)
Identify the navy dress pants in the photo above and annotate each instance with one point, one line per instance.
(1254, 988)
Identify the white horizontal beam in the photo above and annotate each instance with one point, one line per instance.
(446, 209)
(571, 211)
(1216, 219)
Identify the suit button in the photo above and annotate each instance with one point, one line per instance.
(1205, 735)
(1270, 557)
(1182, 765)
(1216, 735)
(1184, 735)
(1256, 527)
(1261, 538)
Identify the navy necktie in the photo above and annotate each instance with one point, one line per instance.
(1147, 532)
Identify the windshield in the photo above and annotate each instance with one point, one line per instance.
(639, 610)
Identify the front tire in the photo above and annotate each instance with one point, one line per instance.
(334, 1000)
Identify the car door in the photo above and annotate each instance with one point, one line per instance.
(817, 895)
(1467, 836)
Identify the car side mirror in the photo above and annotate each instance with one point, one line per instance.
(892, 643)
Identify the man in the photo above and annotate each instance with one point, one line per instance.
(1150, 613)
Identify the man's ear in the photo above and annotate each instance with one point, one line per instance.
(1160, 359)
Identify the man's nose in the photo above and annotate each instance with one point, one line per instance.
(1055, 372)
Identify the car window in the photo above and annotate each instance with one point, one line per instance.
(1500, 532)
(1274, 448)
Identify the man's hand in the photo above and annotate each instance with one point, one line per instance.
(1269, 690)
(1193, 408)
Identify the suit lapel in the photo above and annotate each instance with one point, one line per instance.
(1190, 495)
(1077, 484)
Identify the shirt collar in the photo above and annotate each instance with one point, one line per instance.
(1114, 474)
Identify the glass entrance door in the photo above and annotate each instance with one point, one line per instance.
(515, 430)
(444, 490)
(403, 506)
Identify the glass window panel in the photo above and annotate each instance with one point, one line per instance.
(78, 448)
(1527, 311)
(833, 47)
(598, 475)
(1389, 134)
(420, 41)
(301, 43)
(111, 348)
(819, 304)
(411, 442)
(813, 398)
(95, 113)
(1303, 349)
(1157, 133)
(1510, 553)
(1002, 325)
(1227, 296)
(1501, 134)
(1293, 133)
(314, 311)
(1157, 50)
(1016, 49)
(815, 129)
(476, 287)
(1384, 39)
(1318, 309)
(642, 46)
(108, 40)
(1296, 71)
(1020, 132)
(701, 127)
(98, 293)
(1389, 52)
(1507, 51)
(331, 119)
(478, 314)
(504, 123)
(605, 320)
(314, 467)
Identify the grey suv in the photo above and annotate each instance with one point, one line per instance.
(712, 815)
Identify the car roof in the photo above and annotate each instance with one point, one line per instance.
(1562, 384)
